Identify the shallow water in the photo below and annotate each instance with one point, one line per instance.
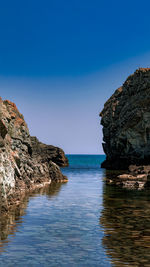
(81, 223)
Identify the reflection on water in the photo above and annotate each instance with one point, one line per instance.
(83, 223)
(126, 222)
(9, 223)
(59, 226)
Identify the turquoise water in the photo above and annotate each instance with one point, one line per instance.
(81, 223)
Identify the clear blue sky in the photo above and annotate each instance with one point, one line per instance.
(61, 60)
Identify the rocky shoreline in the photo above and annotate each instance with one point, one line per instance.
(25, 163)
(136, 177)
(126, 132)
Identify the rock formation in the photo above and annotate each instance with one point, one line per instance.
(48, 152)
(25, 163)
(126, 123)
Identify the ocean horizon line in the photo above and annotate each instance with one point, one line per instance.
(76, 154)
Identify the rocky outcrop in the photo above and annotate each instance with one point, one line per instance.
(48, 152)
(25, 163)
(126, 132)
(126, 123)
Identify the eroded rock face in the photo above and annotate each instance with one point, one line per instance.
(126, 123)
(48, 152)
(25, 163)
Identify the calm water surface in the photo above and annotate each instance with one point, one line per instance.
(81, 223)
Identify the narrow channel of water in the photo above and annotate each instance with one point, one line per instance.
(80, 223)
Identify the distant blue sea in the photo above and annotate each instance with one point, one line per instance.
(85, 161)
(82, 223)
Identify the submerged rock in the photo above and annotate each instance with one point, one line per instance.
(25, 163)
(126, 124)
(128, 180)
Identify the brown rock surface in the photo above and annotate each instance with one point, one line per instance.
(25, 163)
(126, 123)
(48, 152)
(134, 179)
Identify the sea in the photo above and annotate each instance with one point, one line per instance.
(81, 223)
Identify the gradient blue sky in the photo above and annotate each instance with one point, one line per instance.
(61, 60)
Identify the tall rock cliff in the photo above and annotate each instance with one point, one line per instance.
(126, 123)
(25, 163)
